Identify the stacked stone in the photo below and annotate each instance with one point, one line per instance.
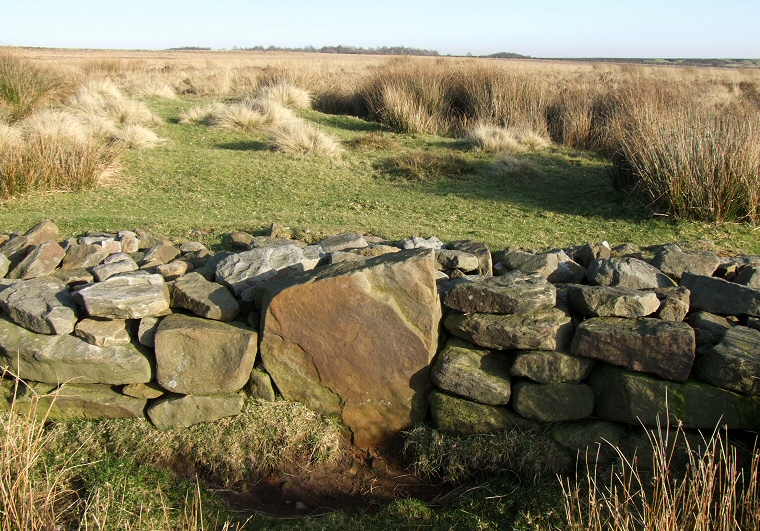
(601, 341)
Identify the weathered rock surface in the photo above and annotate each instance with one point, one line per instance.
(715, 295)
(159, 254)
(374, 373)
(343, 241)
(549, 329)
(555, 265)
(588, 253)
(17, 247)
(593, 440)
(110, 268)
(198, 356)
(243, 270)
(86, 402)
(674, 303)
(146, 331)
(709, 328)
(5, 265)
(203, 298)
(552, 402)
(734, 363)
(147, 391)
(673, 261)
(40, 261)
(457, 415)
(551, 366)
(485, 262)
(180, 412)
(83, 256)
(659, 347)
(73, 277)
(514, 292)
(59, 359)
(451, 259)
(42, 305)
(605, 301)
(103, 332)
(629, 273)
(260, 386)
(417, 242)
(472, 372)
(636, 398)
(126, 297)
(749, 276)
(174, 269)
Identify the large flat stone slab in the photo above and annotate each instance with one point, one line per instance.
(126, 297)
(39, 262)
(184, 411)
(606, 301)
(550, 366)
(630, 273)
(734, 363)
(198, 356)
(513, 292)
(43, 305)
(459, 416)
(17, 247)
(66, 358)
(715, 295)
(552, 402)
(203, 298)
(85, 402)
(356, 340)
(664, 348)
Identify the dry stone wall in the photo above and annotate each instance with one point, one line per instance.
(589, 341)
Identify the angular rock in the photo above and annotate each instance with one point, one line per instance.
(240, 239)
(463, 417)
(174, 269)
(629, 273)
(674, 303)
(197, 356)
(356, 340)
(158, 255)
(126, 297)
(107, 241)
(551, 366)
(555, 265)
(451, 259)
(748, 275)
(549, 329)
(39, 262)
(103, 332)
(416, 242)
(513, 292)
(260, 386)
(734, 363)
(146, 332)
(192, 247)
(83, 256)
(552, 402)
(181, 412)
(673, 261)
(203, 298)
(647, 345)
(42, 305)
(708, 328)
(588, 253)
(208, 268)
(343, 241)
(129, 241)
(58, 359)
(5, 265)
(715, 295)
(16, 248)
(605, 301)
(243, 270)
(86, 402)
(485, 262)
(270, 241)
(636, 398)
(346, 256)
(473, 373)
(593, 440)
(73, 277)
(148, 391)
(110, 268)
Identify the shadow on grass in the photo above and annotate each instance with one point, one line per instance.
(244, 145)
(347, 123)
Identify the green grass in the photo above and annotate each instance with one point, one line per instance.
(203, 182)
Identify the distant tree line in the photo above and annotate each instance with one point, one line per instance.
(383, 50)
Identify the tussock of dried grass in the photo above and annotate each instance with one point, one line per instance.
(492, 139)
(286, 94)
(301, 138)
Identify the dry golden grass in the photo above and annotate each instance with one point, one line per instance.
(302, 138)
(286, 94)
(494, 139)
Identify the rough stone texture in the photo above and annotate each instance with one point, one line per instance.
(17, 247)
(343, 241)
(39, 262)
(174, 269)
(192, 247)
(126, 297)
(129, 241)
(635, 398)
(346, 256)
(466, 370)
(73, 277)
(83, 256)
(417, 242)
(734, 363)
(106, 270)
(629, 273)
(208, 269)
(260, 386)
(648, 345)
(605, 301)
(240, 239)
(148, 391)
(709, 328)
(103, 332)
(551, 366)
(198, 356)
(5, 265)
(749, 275)
(588, 253)
(180, 412)
(674, 303)
(42, 305)
(107, 242)
(514, 292)
(374, 373)
(59, 359)
(592, 440)
(673, 261)
(549, 329)
(555, 265)
(85, 402)
(376, 249)
(552, 402)
(158, 255)
(243, 270)
(463, 417)
(715, 295)
(146, 331)
(203, 298)
(485, 262)
(452, 259)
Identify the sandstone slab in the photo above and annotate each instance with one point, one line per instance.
(485, 261)
(555, 265)
(734, 363)
(550, 366)
(552, 402)
(605, 301)
(16, 248)
(43, 305)
(184, 411)
(512, 293)
(452, 259)
(715, 295)
(356, 340)
(198, 356)
(343, 241)
(464, 417)
(85, 402)
(260, 386)
(83, 256)
(126, 297)
(629, 273)
(40, 261)
(103, 332)
(109, 268)
(673, 261)
(203, 298)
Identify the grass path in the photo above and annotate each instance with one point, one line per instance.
(202, 183)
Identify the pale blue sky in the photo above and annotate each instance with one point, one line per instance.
(540, 28)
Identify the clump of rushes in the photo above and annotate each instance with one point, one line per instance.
(302, 138)
(286, 94)
(25, 88)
